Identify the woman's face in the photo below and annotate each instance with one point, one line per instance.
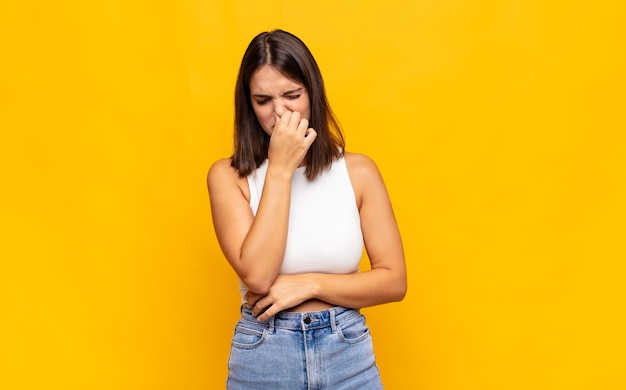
(272, 93)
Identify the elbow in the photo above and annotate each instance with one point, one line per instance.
(400, 291)
(258, 279)
(260, 289)
(395, 286)
(257, 285)
(401, 294)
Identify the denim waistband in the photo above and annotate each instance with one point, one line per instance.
(304, 320)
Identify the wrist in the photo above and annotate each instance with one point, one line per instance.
(279, 173)
(315, 287)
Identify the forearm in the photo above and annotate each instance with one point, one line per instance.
(255, 244)
(363, 289)
(263, 249)
(369, 288)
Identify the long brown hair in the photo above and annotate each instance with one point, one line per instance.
(290, 56)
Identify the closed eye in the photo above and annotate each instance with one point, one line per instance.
(293, 94)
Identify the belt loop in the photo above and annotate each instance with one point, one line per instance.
(333, 324)
(270, 323)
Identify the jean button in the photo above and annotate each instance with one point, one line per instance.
(307, 320)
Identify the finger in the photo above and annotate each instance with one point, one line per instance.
(294, 120)
(310, 136)
(252, 299)
(260, 306)
(303, 126)
(284, 120)
(270, 311)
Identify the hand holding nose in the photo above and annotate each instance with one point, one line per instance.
(291, 139)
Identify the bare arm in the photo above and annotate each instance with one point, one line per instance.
(384, 282)
(255, 246)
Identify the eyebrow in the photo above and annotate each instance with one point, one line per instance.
(299, 89)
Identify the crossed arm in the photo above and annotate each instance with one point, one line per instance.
(255, 245)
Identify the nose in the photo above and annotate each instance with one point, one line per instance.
(279, 108)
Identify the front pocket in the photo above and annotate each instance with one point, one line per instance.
(248, 338)
(353, 330)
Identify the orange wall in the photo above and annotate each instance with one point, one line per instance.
(498, 126)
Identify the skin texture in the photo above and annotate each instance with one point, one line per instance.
(255, 246)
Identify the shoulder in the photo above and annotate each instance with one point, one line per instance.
(221, 166)
(364, 176)
(222, 175)
(360, 166)
(221, 169)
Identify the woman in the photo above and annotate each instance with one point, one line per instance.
(291, 211)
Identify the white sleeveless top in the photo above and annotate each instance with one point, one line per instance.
(324, 233)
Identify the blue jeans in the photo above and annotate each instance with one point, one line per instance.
(329, 349)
